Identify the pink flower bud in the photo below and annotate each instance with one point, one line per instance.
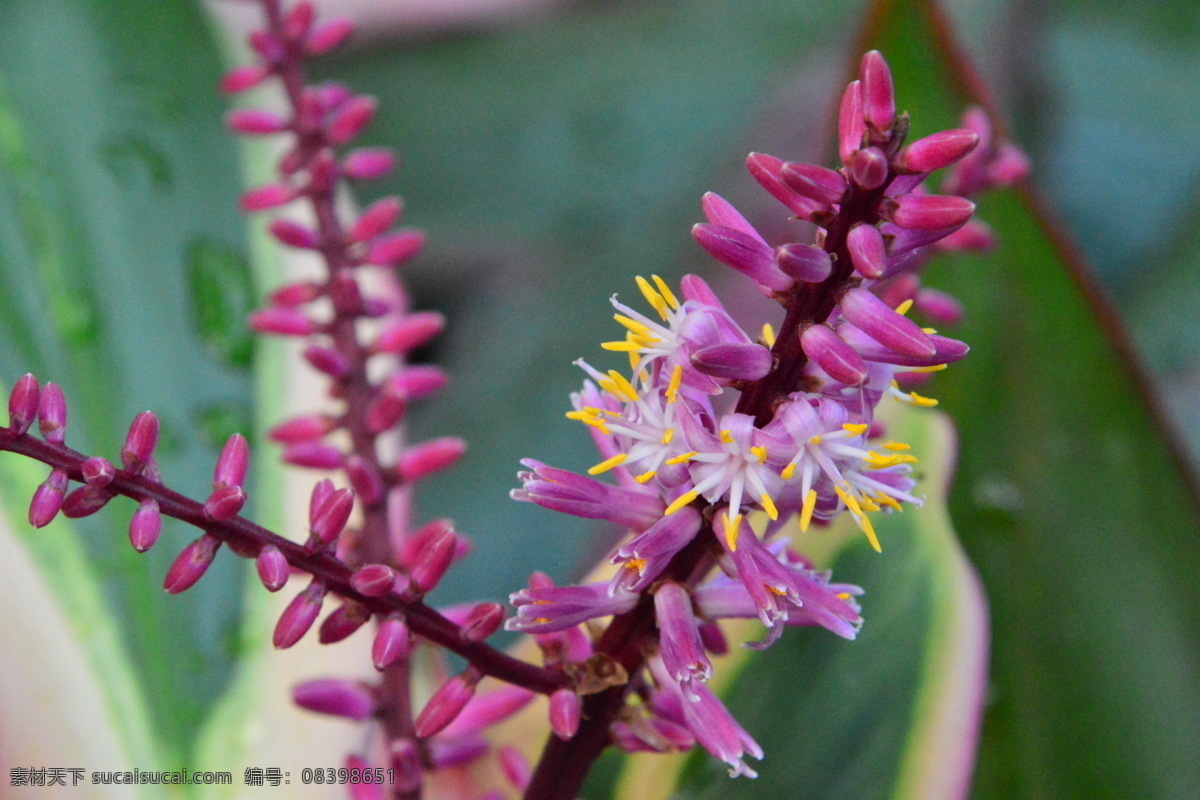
(363, 791)
(974, 236)
(346, 294)
(321, 491)
(483, 620)
(410, 332)
(745, 253)
(429, 457)
(850, 122)
(927, 212)
(52, 414)
(85, 501)
(337, 697)
(565, 711)
(446, 704)
(298, 20)
(232, 463)
(350, 119)
(330, 362)
(145, 525)
(273, 569)
(255, 122)
(384, 411)
(295, 294)
(368, 163)
(281, 322)
(322, 172)
(821, 184)
(435, 558)
(262, 198)
(344, 621)
(139, 442)
(299, 616)
(1009, 166)
(412, 545)
(365, 480)
(191, 564)
(329, 36)
(224, 503)
(515, 767)
(867, 250)
(378, 217)
(266, 45)
(406, 761)
(868, 168)
(413, 383)
(98, 471)
(395, 249)
(392, 643)
(301, 429)
(940, 307)
(742, 361)
(867, 312)
(313, 455)
(767, 170)
(330, 518)
(839, 360)
(48, 498)
(239, 79)
(23, 404)
(937, 150)
(294, 235)
(373, 580)
(718, 211)
(804, 262)
(878, 96)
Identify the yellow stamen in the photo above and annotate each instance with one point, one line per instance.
(636, 564)
(810, 503)
(733, 529)
(888, 501)
(815, 440)
(608, 463)
(665, 291)
(655, 300)
(673, 385)
(843, 595)
(867, 503)
(624, 388)
(768, 334)
(627, 346)
(904, 307)
(769, 506)
(930, 331)
(680, 502)
(869, 530)
(645, 476)
(933, 368)
(896, 446)
(856, 428)
(726, 437)
(760, 452)
(923, 402)
(788, 471)
(668, 436)
(633, 325)
(849, 500)
(682, 458)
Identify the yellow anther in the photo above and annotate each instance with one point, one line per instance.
(673, 385)
(726, 437)
(896, 446)
(680, 502)
(869, 530)
(608, 463)
(788, 471)
(810, 503)
(923, 402)
(815, 440)
(930, 331)
(645, 476)
(904, 307)
(636, 564)
(624, 388)
(849, 500)
(598, 411)
(855, 429)
(768, 334)
(668, 436)
(665, 291)
(627, 346)
(777, 591)
(632, 324)
(769, 506)
(682, 458)
(843, 595)
(733, 529)
(888, 501)
(867, 503)
(933, 368)
(655, 299)
(759, 452)
(588, 419)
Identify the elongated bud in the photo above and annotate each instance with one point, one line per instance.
(272, 567)
(48, 499)
(767, 170)
(939, 307)
(301, 429)
(281, 322)
(373, 580)
(565, 711)
(820, 183)
(718, 211)
(878, 96)
(395, 249)
(145, 525)
(330, 518)
(368, 163)
(313, 455)
(406, 761)
(868, 168)
(745, 253)
(366, 481)
(295, 294)
(240, 79)
(350, 120)
(98, 472)
(331, 362)
(299, 616)
(23, 404)
(515, 767)
(329, 35)
(446, 704)
(336, 697)
(733, 360)
(482, 622)
(225, 503)
(410, 332)
(870, 314)
(52, 414)
(85, 501)
(936, 150)
(384, 411)
(362, 791)
(255, 122)
(232, 463)
(435, 558)
(191, 564)
(294, 235)
(839, 360)
(140, 442)
(392, 643)
(265, 197)
(804, 262)
(927, 212)
(344, 621)
(378, 217)
(298, 20)
(850, 122)
(429, 457)
(416, 382)
(867, 250)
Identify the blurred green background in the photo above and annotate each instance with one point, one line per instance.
(553, 154)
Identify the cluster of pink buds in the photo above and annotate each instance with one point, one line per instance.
(711, 426)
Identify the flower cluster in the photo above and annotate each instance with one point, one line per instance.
(710, 425)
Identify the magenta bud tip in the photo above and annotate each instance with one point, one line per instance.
(336, 697)
(878, 97)
(368, 163)
(343, 622)
(273, 569)
(98, 472)
(23, 404)
(395, 249)
(281, 322)
(565, 711)
(233, 462)
(483, 620)
(373, 580)
(376, 219)
(191, 564)
(446, 704)
(299, 616)
(392, 643)
(349, 120)
(329, 36)
(294, 235)
(140, 442)
(225, 503)
(265, 197)
(145, 526)
(429, 457)
(52, 413)
(48, 499)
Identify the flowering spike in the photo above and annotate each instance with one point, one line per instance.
(23, 404)
(52, 414)
(447, 703)
(339, 698)
(272, 567)
(145, 526)
(191, 564)
(299, 616)
(48, 498)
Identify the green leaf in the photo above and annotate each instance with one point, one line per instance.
(115, 177)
